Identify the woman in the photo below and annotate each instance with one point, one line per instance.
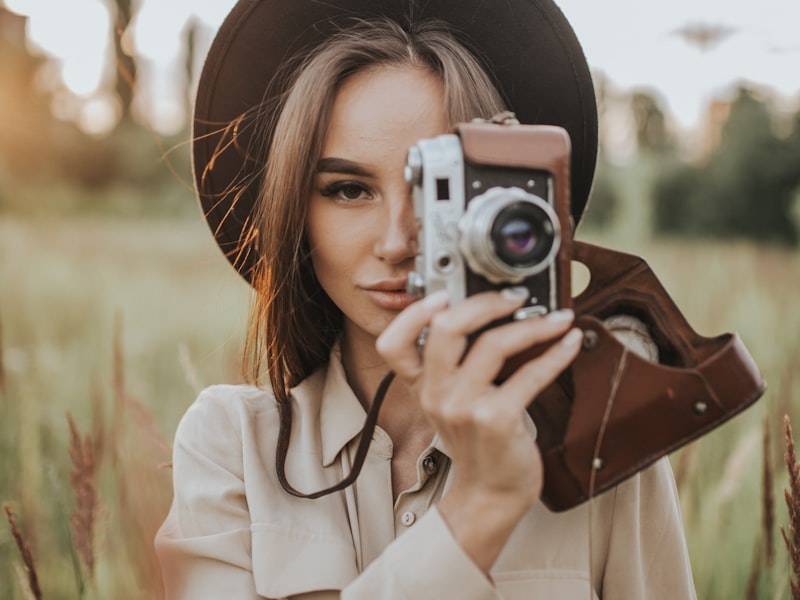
(446, 505)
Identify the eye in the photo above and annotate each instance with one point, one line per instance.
(347, 191)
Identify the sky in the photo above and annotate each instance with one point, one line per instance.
(635, 44)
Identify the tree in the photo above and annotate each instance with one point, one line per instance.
(652, 134)
(747, 189)
(125, 85)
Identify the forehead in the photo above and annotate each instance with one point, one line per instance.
(385, 108)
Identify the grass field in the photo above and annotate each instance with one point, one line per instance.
(119, 323)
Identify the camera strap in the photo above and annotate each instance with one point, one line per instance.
(365, 438)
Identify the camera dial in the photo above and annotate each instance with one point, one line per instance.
(508, 234)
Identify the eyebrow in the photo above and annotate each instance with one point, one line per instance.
(342, 165)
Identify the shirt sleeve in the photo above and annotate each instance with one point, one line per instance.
(425, 562)
(204, 543)
(647, 556)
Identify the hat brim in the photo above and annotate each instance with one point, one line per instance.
(527, 46)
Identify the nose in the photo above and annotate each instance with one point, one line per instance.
(397, 241)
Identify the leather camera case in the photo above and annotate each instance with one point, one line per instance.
(613, 413)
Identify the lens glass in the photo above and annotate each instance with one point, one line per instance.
(518, 237)
(522, 235)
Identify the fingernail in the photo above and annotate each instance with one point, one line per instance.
(573, 337)
(515, 293)
(437, 299)
(560, 316)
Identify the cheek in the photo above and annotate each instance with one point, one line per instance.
(334, 243)
(335, 232)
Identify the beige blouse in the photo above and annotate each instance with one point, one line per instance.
(232, 533)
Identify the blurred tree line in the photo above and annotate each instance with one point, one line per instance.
(748, 187)
(746, 182)
(49, 166)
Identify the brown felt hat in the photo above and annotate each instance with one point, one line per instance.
(526, 46)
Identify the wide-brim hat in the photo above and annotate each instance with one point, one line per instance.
(526, 46)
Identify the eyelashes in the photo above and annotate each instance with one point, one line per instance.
(346, 191)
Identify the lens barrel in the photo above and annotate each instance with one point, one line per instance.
(508, 234)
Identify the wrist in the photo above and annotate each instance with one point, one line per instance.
(483, 523)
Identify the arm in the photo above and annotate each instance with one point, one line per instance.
(204, 544)
(647, 551)
(497, 466)
(647, 555)
(426, 562)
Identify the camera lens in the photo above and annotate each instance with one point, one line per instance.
(508, 234)
(522, 235)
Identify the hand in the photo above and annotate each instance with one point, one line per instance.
(484, 427)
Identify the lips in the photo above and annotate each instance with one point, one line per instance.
(388, 285)
(390, 294)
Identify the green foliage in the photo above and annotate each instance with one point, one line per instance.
(652, 133)
(747, 189)
(131, 172)
(49, 166)
(604, 200)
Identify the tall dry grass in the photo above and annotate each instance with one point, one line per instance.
(65, 350)
(138, 496)
(791, 533)
(767, 496)
(31, 579)
(83, 476)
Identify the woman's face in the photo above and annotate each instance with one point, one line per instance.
(361, 225)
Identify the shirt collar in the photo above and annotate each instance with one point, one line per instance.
(341, 414)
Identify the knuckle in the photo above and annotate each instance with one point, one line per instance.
(495, 419)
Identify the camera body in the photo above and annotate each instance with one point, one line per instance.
(492, 206)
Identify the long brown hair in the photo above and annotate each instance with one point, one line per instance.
(293, 324)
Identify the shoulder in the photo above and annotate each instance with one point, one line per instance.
(242, 412)
(211, 430)
(651, 495)
(224, 407)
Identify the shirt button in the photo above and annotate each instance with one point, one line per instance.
(408, 518)
(429, 464)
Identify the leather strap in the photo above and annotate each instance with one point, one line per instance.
(284, 437)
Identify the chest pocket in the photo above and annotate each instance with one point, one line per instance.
(289, 563)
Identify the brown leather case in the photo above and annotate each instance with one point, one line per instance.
(614, 413)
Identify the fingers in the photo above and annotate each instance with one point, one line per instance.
(447, 338)
(494, 347)
(531, 378)
(449, 329)
(398, 342)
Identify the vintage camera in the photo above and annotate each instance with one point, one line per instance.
(492, 206)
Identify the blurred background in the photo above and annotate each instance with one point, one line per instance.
(116, 307)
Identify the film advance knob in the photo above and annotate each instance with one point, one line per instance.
(413, 169)
(415, 285)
